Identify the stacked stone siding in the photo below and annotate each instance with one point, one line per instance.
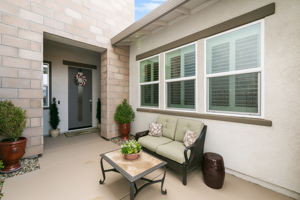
(22, 26)
(114, 87)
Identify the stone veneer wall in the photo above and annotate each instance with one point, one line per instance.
(22, 24)
(114, 87)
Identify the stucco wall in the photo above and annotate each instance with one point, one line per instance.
(266, 155)
(22, 24)
(56, 53)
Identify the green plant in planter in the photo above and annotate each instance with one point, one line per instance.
(54, 117)
(98, 115)
(12, 121)
(124, 113)
(130, 147)
(1, 164)
(12, 124)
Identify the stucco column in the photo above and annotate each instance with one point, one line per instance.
(114, 87)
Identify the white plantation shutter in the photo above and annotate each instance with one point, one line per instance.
(155, 71)
(219, 91)
(181, 63)
(181, 94)
(174, 93)
(149, 95)
(220, 58)
(246, 90)
(149, 75)
(147, 72)
(189, 64)
(234, 52)
(247, 52)
(176, 67)
(189, 92)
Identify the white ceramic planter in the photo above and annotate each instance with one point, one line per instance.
(54, 132)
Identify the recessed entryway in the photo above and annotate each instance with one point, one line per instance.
(76, 102)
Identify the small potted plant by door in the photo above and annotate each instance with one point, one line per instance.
(12, 124)
(98, 114)
(131, 149)
(124, 115)
(54, 119)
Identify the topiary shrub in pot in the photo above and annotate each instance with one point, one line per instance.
(124, 115)
(98, 113)
(12, 124)
(54, 119)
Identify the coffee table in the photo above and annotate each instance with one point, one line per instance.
(134, 170)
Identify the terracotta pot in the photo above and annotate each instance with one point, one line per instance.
(54, 132)
(133, 156)
(10, 154)
(124, 130)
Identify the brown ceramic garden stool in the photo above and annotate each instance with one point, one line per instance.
(213, 170)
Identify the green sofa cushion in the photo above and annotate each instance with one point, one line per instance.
(184, 124)
(169, 125)
(173, 150)
(151, 142)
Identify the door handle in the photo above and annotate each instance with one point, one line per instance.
(91, 104)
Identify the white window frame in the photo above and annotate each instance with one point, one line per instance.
(48, 84)
(165, 81)
(260, 70)
(148, 83)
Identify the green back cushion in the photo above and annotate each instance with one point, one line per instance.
(169, 125)
(184, 124)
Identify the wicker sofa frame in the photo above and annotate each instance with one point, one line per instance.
(192, 162)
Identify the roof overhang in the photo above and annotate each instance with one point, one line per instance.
(167, 14)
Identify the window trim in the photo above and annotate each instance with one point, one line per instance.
(165, 81)
(261, 93)
(148, 83)
(50, 83)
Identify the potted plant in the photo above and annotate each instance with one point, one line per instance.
(131, 149)
(124, 115)
(12, 124)
(98, 115)
(54, 119)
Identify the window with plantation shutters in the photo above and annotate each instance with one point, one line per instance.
(149, 82)
(233, 71)
(180, 66)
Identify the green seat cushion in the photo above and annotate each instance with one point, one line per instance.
(169, 125)
(173, 150)
(184, 124)
(151, 142)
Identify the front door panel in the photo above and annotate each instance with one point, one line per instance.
(80, 98)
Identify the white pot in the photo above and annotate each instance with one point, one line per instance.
(54, 132)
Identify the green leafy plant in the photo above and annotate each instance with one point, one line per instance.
(12, 121)
(98, 115)
(131, 147)
(54, 117)
(1, 164)
(124, 113)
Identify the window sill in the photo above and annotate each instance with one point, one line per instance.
(243, 120)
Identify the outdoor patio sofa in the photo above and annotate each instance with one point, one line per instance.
(170, 146)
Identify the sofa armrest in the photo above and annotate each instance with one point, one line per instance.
(196, 148)
(141, 134)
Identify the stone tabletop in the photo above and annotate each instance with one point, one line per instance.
(136, 167)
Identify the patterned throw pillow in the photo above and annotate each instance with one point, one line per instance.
(189, 138)
(155, 129)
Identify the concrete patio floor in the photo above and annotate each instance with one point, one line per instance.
(70, 171)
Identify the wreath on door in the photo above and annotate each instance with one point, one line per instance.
(80, 79)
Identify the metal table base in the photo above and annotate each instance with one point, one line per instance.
(134, 190)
